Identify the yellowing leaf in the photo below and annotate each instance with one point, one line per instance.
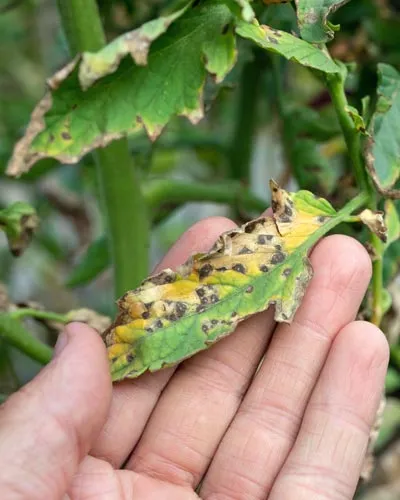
(392, 222)
(175, 314)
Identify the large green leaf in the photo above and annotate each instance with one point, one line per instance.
(70, 121)
(312, 16)
(383, 145)
(287, 45)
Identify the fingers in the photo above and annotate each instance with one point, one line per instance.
(48, 426)
(327, 457)
(260, 437)
(198, 405)
(134, 400)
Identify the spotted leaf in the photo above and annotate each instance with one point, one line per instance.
(175, 314)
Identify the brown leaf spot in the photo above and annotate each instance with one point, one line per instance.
(288, 211)
(321, 219)
(264, 268)
(200, 292)
(272, 40)
(244, 251)
(66, 136)
(214, 322)
(200, 309)
(249, 289)
(214, 298)
(130, 357)
(180, 309)
(158, 324)
(234, 314)
(205, 271)
(287, 272)
(204, 328)
(145, 314)
(278, 258)
(262, 239)
(239, 268)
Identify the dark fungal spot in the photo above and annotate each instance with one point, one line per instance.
(264, 268)
(214, 298)
(239, 268)
(284, 218)
(214, 322)
(205, 270)
(249, 289)
(130, 357)
(223, 268)
(149, 330)
(274, 205)
(204, 300)
(276, 32)
(278, 247)
(288, 211)
(272, 40)
(200, 292)
(244, 251)
(287, 272)
(200, 309)
(234, 314)
(284, 316)
(322, 218)
(146, 314)
(204, 328)
(66, 136)
(277, 258)
(161, 279)
(275, 189)
(180, 308)
(172, 317)
(291, 202)
(158, 324)
(262, 239)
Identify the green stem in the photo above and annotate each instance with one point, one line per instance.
(161, 191)
(335, 84)
(246, 119)
(128, 225)
(37, 313)
(377, 280)
(14, 333)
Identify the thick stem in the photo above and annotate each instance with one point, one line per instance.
(14, 333)
(246, 118)
(233, 193)
(336, 89)
(37, 313)
(128, 227)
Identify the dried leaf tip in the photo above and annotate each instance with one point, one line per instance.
(375, 222)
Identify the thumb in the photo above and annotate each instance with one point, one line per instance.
(48, 426)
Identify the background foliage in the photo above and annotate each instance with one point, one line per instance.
(105, 221)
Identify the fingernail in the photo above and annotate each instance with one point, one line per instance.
(60, 344)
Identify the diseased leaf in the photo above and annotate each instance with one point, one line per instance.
(69, 121)
(136, 43)
(312, 16)
(173, 315)
(18, 221)
(288, 46)
(246, 9)
(382, 151)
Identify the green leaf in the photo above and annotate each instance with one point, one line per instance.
(288, 46)
(246, 9)
(392, 223)
(312, 17)
(175, 314)
(382, 149)
(96, 260)
(69, 121)
(18, 221)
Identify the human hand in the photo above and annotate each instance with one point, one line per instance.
(295, 429)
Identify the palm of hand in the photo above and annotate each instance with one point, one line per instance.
(294, 427)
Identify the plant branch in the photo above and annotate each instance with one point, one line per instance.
(25, 312)
(15, 334)
(335, 84)
(128, 227)
(246, 119)
(161, 191)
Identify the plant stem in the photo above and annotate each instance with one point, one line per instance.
(161, 191)
(128, 225)
(246, 118)
(37, 313)
(335, 84)
(14, 333)
(377, 280)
